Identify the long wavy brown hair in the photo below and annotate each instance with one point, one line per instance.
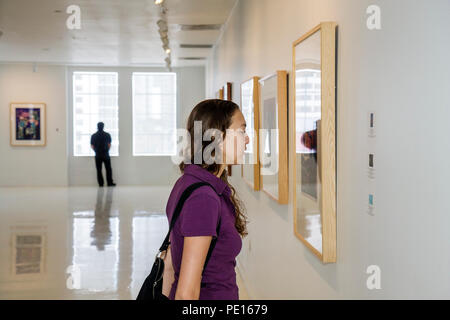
(216, 114)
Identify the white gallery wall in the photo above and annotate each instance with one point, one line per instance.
(34, 166)
(54, 164)
(402, 72)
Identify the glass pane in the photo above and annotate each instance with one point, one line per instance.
(307, 139)
(154, 114)
(248, 111)
(269, 149)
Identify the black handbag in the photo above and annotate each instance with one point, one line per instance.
(152, 287)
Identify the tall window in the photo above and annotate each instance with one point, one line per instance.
(154, 113)
(95, 99)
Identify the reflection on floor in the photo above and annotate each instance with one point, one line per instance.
(80, 242)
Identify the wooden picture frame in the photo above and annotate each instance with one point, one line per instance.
(221, 90)
(28, 124)
(273, 139)
(313, 148)
(250, 171)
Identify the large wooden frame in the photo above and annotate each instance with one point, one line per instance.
(325, 141)
(42, 142)
(255, 184)
(281, 114)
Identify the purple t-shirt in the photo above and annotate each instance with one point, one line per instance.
(199, 217)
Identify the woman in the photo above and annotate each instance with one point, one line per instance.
(196, 226)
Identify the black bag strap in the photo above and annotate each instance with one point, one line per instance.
(186, 193)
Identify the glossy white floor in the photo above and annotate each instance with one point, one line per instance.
(80, 242)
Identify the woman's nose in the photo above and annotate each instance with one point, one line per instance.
(247, 139)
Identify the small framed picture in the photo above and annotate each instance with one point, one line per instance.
(28, 124)
(371, 131)
(250, 109)
(226, 95)
(273, 139)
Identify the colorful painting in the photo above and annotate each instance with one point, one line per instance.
(28, 124)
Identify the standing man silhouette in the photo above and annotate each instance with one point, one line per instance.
(101, 143)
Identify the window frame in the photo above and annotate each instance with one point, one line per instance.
(74, 73)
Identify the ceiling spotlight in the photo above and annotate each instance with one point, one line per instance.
(168, 50)
(159, 1)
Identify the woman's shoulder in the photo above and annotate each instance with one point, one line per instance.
(206, 192)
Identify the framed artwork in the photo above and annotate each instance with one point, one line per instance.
(221, 93)
(273, 140)
(227, 92)
(226, 95)
(250, 110)
(314, 146)
(28, 124)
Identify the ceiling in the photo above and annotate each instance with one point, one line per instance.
(113, 32)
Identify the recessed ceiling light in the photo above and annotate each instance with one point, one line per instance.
(159, 1)
(168, 50)
(199, 27)
(192, 58)
(147, 64)
(196, 46)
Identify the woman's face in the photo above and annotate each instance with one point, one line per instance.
(236, 140)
